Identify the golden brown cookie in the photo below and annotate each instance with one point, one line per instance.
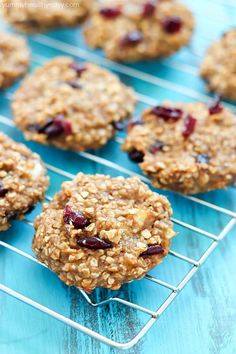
(23, 180)
(35, 15)
(102, 232)
(14, 58)
(187, 147)
(139, 29)
(71, 105)
(219, 66)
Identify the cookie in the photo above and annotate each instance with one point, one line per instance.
(14, 58)
(188, 147)
(103, 232)
(138, 29)
(71, 105)
(36, 16)
(23, 180)
(218, 66)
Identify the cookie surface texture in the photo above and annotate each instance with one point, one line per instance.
(37, 16)
(188, 148)
(14, 58)
(102, 232)
(138, 29)
(71, 105)
(23, 180)
(218, 67)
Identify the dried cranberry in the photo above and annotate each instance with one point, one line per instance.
(134, 121)
(172, 24)
(74, 84)
(148, 9)
(216, 106)
(93, 243)
(78, 67)
(136, 156)
(157, 146)
(132, 39)
(189, 126)
(76, 218)
(110, 12)
(41, 130)
(3, 191)
(52, 130)
(56, 127)
(152, 250)
(67, 128)
(203, 158)
(167, 113)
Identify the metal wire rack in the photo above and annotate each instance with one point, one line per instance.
(215, 239)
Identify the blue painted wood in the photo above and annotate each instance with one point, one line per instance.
(202, 319)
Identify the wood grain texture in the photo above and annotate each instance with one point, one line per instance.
(202, 319)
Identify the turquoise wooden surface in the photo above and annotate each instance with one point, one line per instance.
(202, 319)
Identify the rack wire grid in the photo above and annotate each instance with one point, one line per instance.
(150, 81)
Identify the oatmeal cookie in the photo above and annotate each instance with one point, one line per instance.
(35, 16)
(14, 58)
(23, 180)
(138, 29)
(102, 232)
(71, 105)
(188, 147)
(219, 66)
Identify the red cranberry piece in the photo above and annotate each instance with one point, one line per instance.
(110, 12)
(172, 24)
(157, 146)
(52, 130)
(74, 84)
(67, 128)
(167, 113)
(60, 122)
(76, 218)
(132, 39)
(3, 191)
(78, 67)
(203, 158)
(136, 156)
(56, 127)
(148, 9)
(216, 106)
(44, 127)
(153, 250)
(189, 126)
(93, 243)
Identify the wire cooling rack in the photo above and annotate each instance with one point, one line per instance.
(52, 44)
